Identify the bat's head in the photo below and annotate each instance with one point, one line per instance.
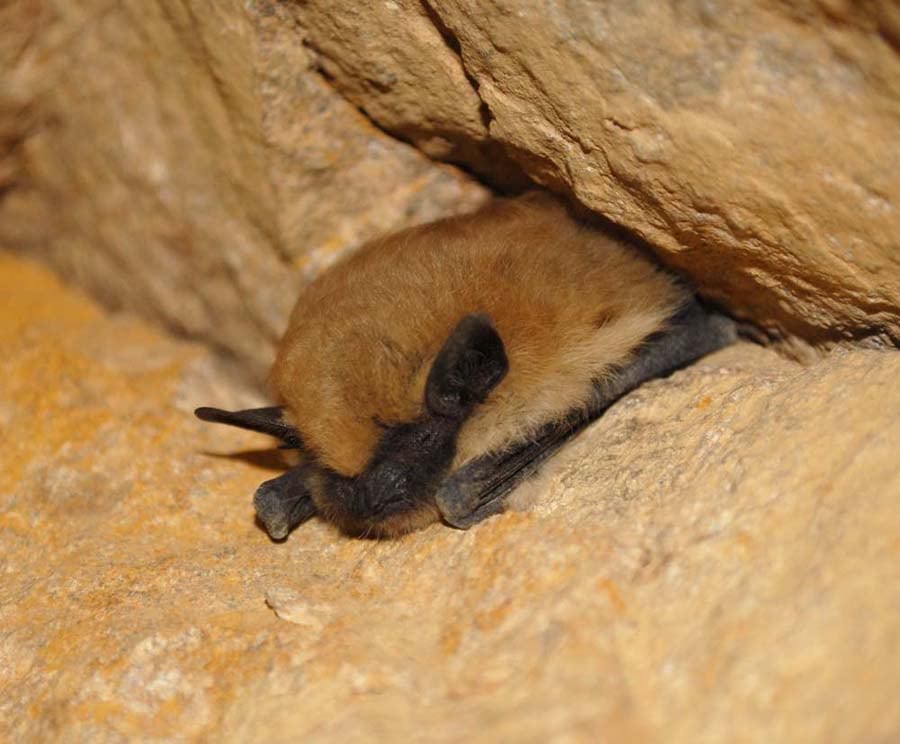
(394, 490)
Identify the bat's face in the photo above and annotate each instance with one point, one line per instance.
(395, 491)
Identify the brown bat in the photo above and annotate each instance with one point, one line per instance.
(427, 374)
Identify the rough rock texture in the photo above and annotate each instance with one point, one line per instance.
(401, 74)
(181, 158)
(186, 158)
(715, 560)
(752, 143)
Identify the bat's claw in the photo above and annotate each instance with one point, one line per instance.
(283, 503)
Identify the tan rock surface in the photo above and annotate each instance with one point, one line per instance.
(400, 73)
(717, 559)
(182, 159)
(752, 143)
(186, 160)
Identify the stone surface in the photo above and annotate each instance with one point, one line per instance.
(195, 162)
(181, 158)
(716, 559)
(752, 143)
(413, 81)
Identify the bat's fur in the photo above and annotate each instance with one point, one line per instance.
(570, 303)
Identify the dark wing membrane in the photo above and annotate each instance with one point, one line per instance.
(477, 490)
(269, 420)
(283, 503)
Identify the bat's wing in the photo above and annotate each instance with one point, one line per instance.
(283, 503)
(268, 420)
(477, 490)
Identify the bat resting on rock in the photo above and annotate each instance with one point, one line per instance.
(426, 375)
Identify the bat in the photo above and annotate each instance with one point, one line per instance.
(426, 375)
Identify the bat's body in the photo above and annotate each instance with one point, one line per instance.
(428, 373)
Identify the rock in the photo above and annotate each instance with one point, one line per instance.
(714, 560)
(752, 144)
(184, 160)
(413, 82)
(191, 163)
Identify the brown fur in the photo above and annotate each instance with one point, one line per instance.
(569, 301)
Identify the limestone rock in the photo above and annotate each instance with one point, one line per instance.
(408, 80)
(752, 143)
(716, 559)
(189, 160)
(183, 159)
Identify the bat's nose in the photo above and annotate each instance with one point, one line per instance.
(390, 484)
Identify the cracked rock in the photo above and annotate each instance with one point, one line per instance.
(752, 144)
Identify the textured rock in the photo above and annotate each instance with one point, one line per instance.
(714, 560)
(185, 159)
(413, 81)
(182, 159)
(752, 143)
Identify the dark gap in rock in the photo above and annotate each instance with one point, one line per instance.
(504, 174)
(449, 37)
(452, 42)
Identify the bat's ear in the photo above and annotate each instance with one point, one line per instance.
(265, 420)
(471, 364)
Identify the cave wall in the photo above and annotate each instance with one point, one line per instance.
(199, 162)
(182, 159)
(752, 143)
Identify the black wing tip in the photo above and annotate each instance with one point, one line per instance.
(267, 420)
(207, 413)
